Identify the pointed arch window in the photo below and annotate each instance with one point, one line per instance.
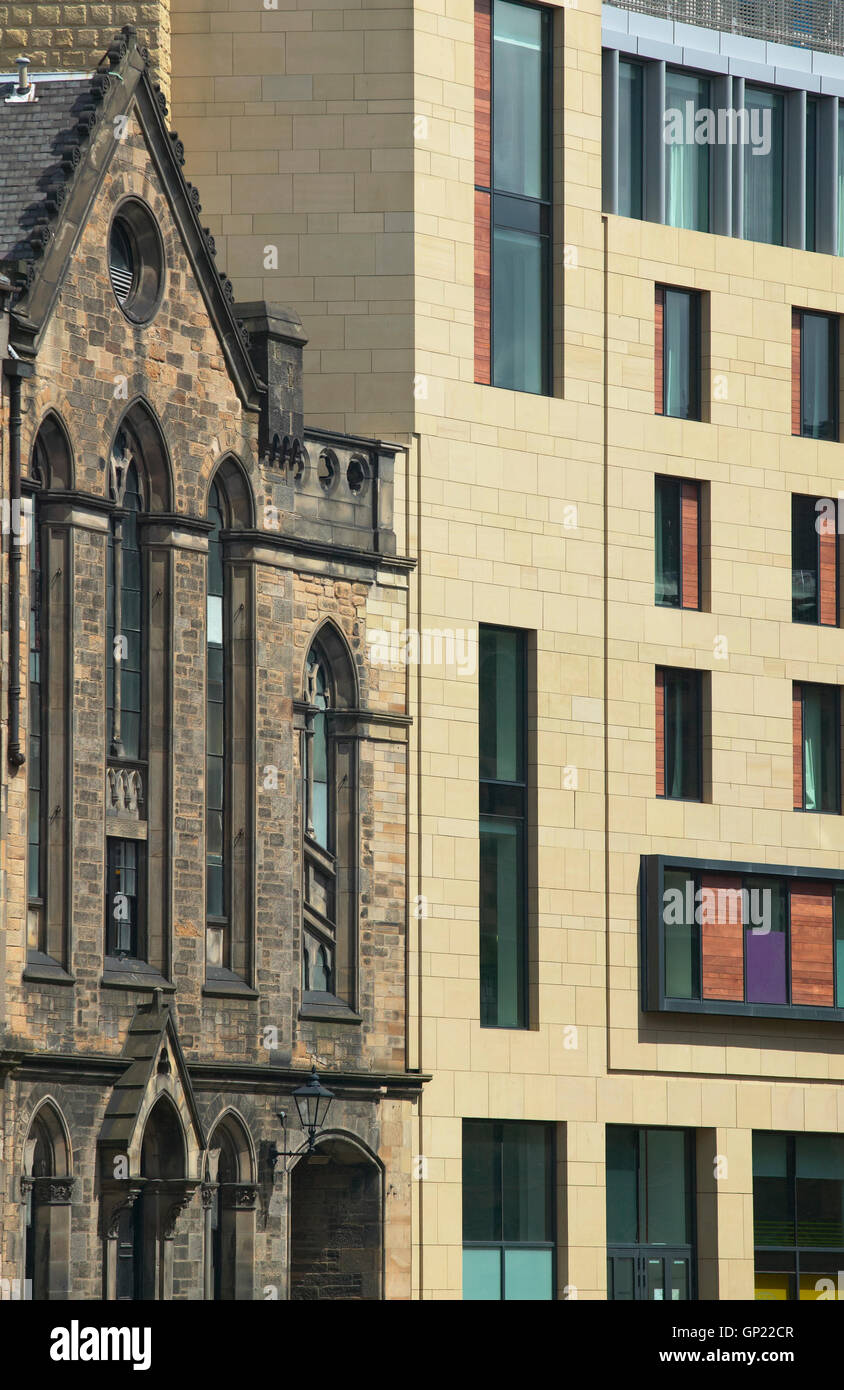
(329, 798)
(46, 1189)
(35, 759)
(229, 1200)
(125, 611)
(229, 736)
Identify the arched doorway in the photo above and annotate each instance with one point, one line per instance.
(47, 1187)
(336, 1215)
(230, 1199)
(146, 1226)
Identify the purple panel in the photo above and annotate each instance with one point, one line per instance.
(765, 967)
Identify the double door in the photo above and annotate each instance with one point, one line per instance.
(650, 1273)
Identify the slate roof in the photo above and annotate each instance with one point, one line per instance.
(34, 137)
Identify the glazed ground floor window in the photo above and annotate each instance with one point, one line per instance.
(798, 1215)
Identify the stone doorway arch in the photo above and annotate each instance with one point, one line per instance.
(337, 1223)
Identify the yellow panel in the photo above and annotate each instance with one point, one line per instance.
(772, 1287)
(810, 1292)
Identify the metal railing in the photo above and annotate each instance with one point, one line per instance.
(815, 24)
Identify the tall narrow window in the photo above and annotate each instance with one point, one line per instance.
(814, 561)
(216, 906)
(631, 86)
(679, 734)
(817, 778)
(125, 623)
(508, 1211)
(320, 937)
(686, 162)
(677, 542)
(764, 166)
(812, 105)
(677, 326)
(841, 178)
(35, 864)
(650, 1214)
(512, 195)
(124, 864)
(503, 828)
(814, 364)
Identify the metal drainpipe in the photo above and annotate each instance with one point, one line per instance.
(15, 370)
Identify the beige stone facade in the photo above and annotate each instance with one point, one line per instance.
(335, 142)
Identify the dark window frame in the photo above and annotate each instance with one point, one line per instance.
(797, 1249)
(497, 798)
(630, 61)
(538, 211)
(499, 1128)
(796, 499)
(653, 996)
(698, 679)
(834, 321)
(836, 690)
(139, 951)
(678, 484)
(695, 351)
(643, 1251)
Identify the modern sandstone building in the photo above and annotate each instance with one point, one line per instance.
(584, 266)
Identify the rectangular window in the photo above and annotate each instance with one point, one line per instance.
(503, 827)
(677, 542)
(841, 178)
(677, 320)
(631, 145)
(512, 195)
(764, 166)
(34, 749)
(812, 104)
(687, 163)
(814, 374)
(650, 1213)
(124, 872)
(741, 939)
(798, 1215)
(679, 734)
(508, 1211)
(816, 720)
(814, 561)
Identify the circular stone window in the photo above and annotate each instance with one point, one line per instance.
(135, 261)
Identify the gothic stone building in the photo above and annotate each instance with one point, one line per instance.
(204, 774)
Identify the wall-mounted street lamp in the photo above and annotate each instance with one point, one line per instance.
(313, 1102)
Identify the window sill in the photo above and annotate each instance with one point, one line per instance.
(43, 969)
(224, 984)
(326, 1009)
(133, 974)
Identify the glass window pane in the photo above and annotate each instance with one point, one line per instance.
(819, 1277)
(682, 735)
(686, 161)
(820, 1189)
(622, 1279)
(501, 922)
(680, 354)
(839, 947)
(656, 1279)
(519, 310)
(631, 81)
(811, 170)
(841, 180)
(667, 541)
(680, 937)
(679, 1272)
(773, 1216)
(528, 1275)
(818, 376)
(215, 898)
(765, 942)
(481, 1275)
(481, 1182)
(666, 1187)
(215, 620)
(763, 167)
(820, 748)
(527, 1175)
(501, 713)
(622, 1185)
(519, 102)
(804, 560)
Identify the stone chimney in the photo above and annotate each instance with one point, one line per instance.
(276, 341)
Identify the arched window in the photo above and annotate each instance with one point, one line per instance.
(138, 702)
(215, 740)
(229, 1199)
(46, 534)
(229, 737)
(329, 798)
(47, 1189)
(144, 1233)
